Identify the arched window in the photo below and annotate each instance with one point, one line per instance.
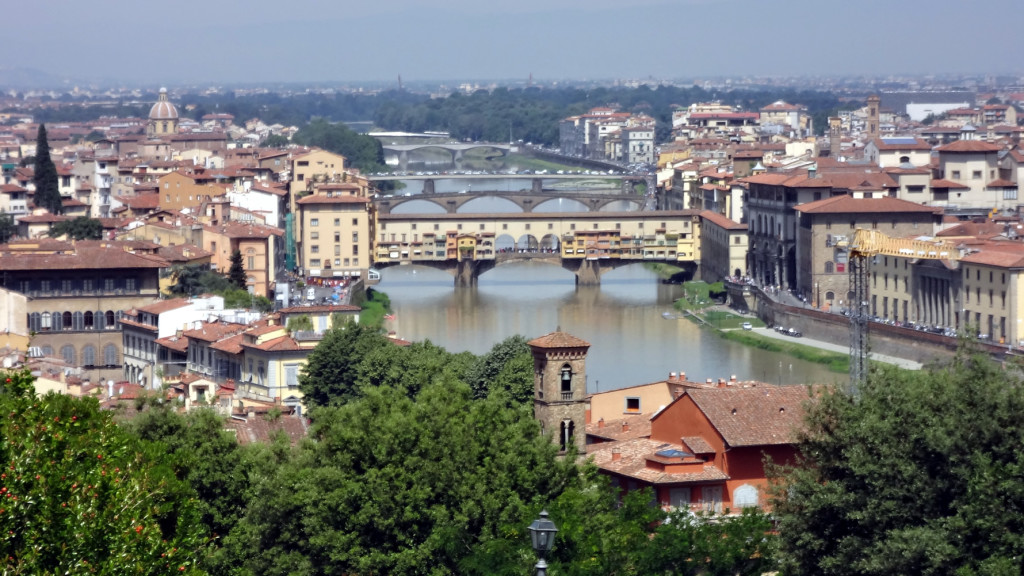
(34, 323)
(829, 267)
(745, 496)
(48, 351)
(79, 323)
(88, 356)
(110, 354)
(830, 296)
(67, 321)
(566, 431)
(566, 379)
(45, 321)
(904, 159)
(110, 321)
(87, 320)
(67, 352)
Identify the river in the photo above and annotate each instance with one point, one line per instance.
(631, 343)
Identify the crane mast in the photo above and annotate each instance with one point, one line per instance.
(867, 246)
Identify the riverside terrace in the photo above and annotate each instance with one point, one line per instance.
(587, 243)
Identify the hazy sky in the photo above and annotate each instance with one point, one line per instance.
(348, 40)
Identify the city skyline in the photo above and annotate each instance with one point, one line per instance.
(570, 39)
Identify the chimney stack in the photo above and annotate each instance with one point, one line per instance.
(625, 427)
(616, 456)
(600, 423)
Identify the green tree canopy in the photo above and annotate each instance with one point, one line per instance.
(44, 176)
(275, 141)
(332, 369)
(80, 495)
(920, 475)
(395, 485)
(507, 366)
(8, 227)
(80, 228)
(363, 152)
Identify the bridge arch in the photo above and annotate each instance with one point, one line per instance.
(418, 206)
(489, 205)
(528, 242)
(504, 243)
(561, 204)
(621, 206)
(550, 243)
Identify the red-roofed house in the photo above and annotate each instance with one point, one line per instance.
(706, 449)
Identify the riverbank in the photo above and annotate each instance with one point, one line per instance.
(836, 357)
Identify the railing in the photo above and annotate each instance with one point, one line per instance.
(566, 395)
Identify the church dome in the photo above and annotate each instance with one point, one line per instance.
(163, 109)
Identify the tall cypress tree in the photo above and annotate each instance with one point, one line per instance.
(236, 274)
(45, 176)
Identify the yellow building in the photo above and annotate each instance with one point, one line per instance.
(335, 233)
(178, 190)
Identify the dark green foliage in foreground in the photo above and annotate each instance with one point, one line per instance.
(80, 228)
(924, 474)
(79, 495)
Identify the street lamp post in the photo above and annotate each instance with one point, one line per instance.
(542, 536)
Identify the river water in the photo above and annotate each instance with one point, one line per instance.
(631, 343)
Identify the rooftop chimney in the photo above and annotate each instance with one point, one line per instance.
(625, 426)
(600, 423)
(616, 456)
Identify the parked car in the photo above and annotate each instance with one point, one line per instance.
(794, 333)
(747, 326)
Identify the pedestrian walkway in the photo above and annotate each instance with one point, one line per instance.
(900, 362)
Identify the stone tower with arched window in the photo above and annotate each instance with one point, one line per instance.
(560, 388)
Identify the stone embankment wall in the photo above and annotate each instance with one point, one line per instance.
(923, 347)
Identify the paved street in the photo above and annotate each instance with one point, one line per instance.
(840, 348)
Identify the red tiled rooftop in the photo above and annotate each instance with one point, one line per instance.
(755, 416)
(845, 204)
(558, 340)
(969, 146)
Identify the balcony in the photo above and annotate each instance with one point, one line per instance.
(566, 395)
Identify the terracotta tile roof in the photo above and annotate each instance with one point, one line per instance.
(82, 258)
(164, 306)
(137, 324)
(214, 331)
(969, 146)
(754, 416)
(625, 428)
(280, 344)
(230, 345)
(1001, 183)
(42, 218)
(269, 189)
(558, 340)
(697, 445)
(845, 204)
(997, 258)
(176, 343)
(148, 201)
(891, 144)
(632, 462)
(240, 230)
(177, 253)
(323, 199)
(721, 221)
(11, 188)
(260, 428)
(943, 183)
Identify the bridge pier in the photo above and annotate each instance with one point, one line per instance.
(468, 271)
(457, 157)
(428, 186)
(403, 160)
(538, 185)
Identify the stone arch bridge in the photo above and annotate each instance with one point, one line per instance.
(455, 149)
(526, 201)
(586, 243)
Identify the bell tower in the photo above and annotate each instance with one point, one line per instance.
(560, 388)
(874, 103)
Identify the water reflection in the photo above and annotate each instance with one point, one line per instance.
(622, 319)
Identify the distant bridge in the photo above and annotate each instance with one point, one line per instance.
(455, 149)
(527, 201)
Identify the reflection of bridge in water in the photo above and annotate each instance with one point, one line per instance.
(526, 201)
(588, 244)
